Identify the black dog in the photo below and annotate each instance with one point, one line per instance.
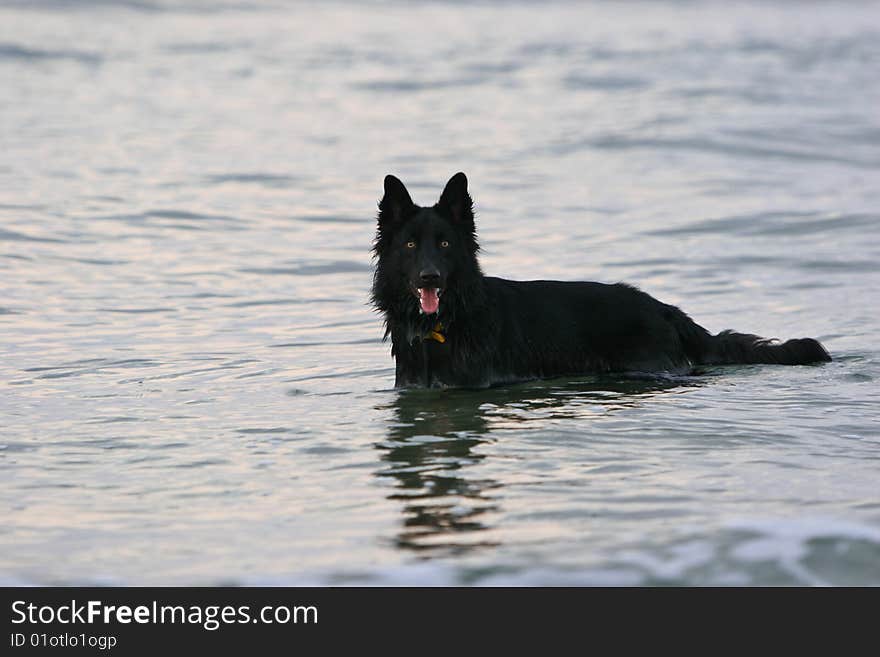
(452, 326)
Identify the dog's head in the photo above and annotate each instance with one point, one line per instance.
(425, 252)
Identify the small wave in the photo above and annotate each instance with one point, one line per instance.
(540, 48)
(324, 450)
(176, 219)
(19, 206)
(791, 223)
(197, 464)
(259, 179)
(714, 146)
(821, 224)
(402, 85)
(78, 363)
(185, 214)
(650, 262)
(866, 266)
(311, 269)
(288, 345)
(384, 371)
(10, 446)
(206, 48)
(115, 419)
(267, 302)
(332, 219)
(604, 82)
(103, 262)
(20, 53)
(262, 430)
(88, 366)
(499, 68)
(230, 365)
(137, 311)
(145, 6)
(798, 546)
(14, 236)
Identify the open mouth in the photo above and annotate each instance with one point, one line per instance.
(429, 299)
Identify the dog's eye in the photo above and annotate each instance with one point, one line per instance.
(444, 244)
(410, 245)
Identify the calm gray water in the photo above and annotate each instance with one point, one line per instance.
(194, 390)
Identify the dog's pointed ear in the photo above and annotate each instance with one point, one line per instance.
(456, 201)
(396, 202)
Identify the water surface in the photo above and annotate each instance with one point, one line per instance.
(194, 390)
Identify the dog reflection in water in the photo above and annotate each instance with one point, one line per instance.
(432, 444)
(437, 440)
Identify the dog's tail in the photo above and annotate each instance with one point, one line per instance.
(731, 348)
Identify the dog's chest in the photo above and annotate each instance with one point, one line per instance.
(427, 357)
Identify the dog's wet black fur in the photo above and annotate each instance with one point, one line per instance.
(452, 326)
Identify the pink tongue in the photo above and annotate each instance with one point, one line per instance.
(429, 300)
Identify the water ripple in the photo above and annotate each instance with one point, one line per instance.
(311, 269)
(259, 179)
(790, 223)
(160, 217)
(578, 81)
(410, 85)
(21, 53)
(714, 146)
(13, 236)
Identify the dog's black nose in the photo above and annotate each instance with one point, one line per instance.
(430, 277)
